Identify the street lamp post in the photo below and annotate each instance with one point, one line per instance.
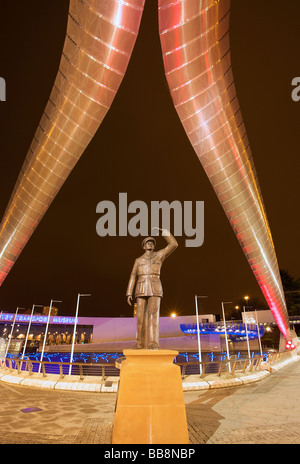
(258, 333)
(248, 346)
(246, 326)
(198, 331)
(11, 332)
(28, 329)
(226, 340)
(46, 331)
(74, 332)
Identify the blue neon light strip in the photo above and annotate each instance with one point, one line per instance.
(234, 330)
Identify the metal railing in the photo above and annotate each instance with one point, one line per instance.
(62, 368)
(276, 357)
(232, 366)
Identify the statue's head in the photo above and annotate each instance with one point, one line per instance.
(149, 243)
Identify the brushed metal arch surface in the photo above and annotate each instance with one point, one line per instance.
(195, 44)
(99, 41)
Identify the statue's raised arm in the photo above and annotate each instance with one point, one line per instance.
(145, 279)
(172, 242)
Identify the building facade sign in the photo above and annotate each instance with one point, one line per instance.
(37, 319)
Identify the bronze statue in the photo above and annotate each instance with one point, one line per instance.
(145, 277)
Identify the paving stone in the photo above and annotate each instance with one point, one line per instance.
(267, 412)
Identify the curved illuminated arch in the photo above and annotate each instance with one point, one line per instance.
(99, 41)
(195, 44)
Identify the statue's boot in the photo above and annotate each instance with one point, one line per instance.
(153, 346)
(138, 346)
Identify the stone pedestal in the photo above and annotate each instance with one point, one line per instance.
(150, 405)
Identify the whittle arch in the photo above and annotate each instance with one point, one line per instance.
(195, 44)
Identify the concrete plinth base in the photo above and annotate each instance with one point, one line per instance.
(150, 406)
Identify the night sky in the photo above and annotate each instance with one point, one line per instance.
(142, 149)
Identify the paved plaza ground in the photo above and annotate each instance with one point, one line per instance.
(266, 412)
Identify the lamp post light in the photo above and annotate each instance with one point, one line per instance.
(236, 308)
(198, 331)
(28, 329)
(74, 332)
(11, 332)
(248, 346)
(46, 332)
(258, 333)
(226, 340)
(246, 327)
